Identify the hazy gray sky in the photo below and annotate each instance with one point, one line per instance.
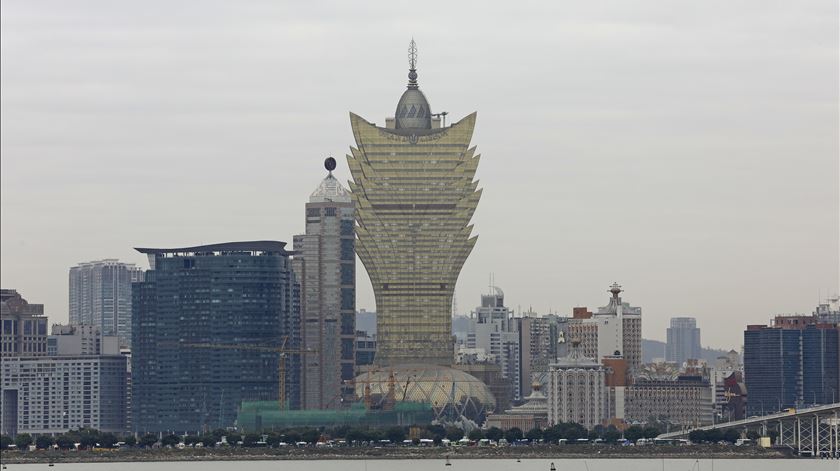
(687, 150)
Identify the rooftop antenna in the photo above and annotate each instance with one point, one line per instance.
(412, 64)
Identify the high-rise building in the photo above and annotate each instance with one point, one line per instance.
(24, 326)
(494, 331)
(52, 395)
(100, 295)
(821, 364)
(208, 322)
(794, 362)
(414, 194)
(614, 330)
(772, 368)
(538, 336)
(325, 264)
(683, 340)
(576, 390)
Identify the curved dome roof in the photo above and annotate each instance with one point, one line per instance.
(413, 110)
(439, 386)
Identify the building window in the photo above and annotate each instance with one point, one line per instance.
(346, 274)
(347, 249)
(348, 298)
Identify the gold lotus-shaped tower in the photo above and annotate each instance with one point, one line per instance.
(414, 194)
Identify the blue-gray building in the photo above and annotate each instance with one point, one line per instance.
(788, 366)
(204, 323)
(820, 364)
(683, 340)
(772, 368)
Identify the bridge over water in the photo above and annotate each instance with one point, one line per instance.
(813, 431)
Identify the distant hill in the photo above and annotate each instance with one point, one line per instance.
(655, 349)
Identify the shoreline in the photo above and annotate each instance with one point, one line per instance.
(395, 453)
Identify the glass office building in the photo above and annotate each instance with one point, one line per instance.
(821, 364)
(204, 324)
(772, 369)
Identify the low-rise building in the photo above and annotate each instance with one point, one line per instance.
(533, 413)
(52, 395)
(682, 400)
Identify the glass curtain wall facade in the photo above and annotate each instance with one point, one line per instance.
(772, 369)
(821, 364)
(414, 194)
(225, 298)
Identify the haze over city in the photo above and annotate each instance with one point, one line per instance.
(688, 153)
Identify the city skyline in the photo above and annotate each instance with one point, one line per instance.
(596, 193)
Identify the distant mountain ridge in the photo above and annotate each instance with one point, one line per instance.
(655, 349)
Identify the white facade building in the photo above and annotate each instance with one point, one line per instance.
(577, 390)
(52, 395)
(614, 330)
(81, 340)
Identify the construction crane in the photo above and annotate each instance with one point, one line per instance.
(281, 350)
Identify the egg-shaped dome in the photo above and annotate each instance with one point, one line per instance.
(445, 389)
(413, 111)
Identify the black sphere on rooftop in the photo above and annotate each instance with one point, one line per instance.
(329, 164)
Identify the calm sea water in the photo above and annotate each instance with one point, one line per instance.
(457, 465)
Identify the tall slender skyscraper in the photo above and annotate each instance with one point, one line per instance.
(325, 264)
(683, 340)
(414, 194)
(100, 295)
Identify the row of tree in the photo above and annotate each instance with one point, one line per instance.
(729, 436)
(90, 438)
(86, 438)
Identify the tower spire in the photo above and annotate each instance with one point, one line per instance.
(412, 64)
